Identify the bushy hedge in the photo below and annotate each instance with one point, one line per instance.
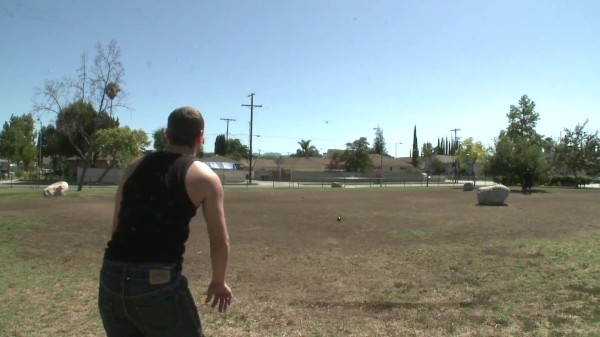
(569, 180)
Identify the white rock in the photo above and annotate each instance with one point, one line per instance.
(57, 189)
(468, 187)
(493, 195)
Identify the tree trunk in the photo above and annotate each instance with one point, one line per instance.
(108, 168)
(88, 159)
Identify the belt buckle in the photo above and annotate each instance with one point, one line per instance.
(159, 276)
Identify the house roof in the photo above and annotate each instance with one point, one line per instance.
(390, 161)
(445, 159)
(217, 159)
(260, 164)
(303, 163)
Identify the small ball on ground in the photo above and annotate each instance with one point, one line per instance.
(339, 218)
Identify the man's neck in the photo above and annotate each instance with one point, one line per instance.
(186, 150)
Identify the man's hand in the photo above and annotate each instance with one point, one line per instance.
(219, 293)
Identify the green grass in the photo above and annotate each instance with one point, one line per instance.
(40, 297)
(412, 233)
(16, 225)
(420, 285)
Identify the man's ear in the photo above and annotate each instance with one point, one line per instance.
(200, 138)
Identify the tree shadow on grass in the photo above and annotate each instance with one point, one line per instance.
(594, 291)
(378, 306)
(533, 191)
(484, 205)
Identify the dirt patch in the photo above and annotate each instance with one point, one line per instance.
(395, 255)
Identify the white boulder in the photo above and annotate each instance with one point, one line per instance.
(58, 189)
(468, 187)
(493, 195)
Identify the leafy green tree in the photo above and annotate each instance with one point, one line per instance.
(336, 159)
(427, 150)
(427, 153)
(306, 150)
(522, 120)
(58, 148)
(221, 145)
(436, 166)
(469, 153)
(79, 123)
(519, 147)
(98, 85)
(122, 145)
(236, 150)
(379, 142)
(356, 156)
(160, 139)
(509, 159)
(578, 150)
(17, 140)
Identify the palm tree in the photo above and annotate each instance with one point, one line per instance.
(306, 150)
(112, 90)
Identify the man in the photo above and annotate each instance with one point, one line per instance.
(142, 291)
(527, 182)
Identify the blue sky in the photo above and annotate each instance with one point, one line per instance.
(328, 71)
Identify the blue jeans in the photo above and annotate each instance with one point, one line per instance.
(146, 300)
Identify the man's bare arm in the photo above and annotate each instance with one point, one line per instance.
(205, 190)
(214, 213)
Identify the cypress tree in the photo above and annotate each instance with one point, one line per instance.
(415, 149)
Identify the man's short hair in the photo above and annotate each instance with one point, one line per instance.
(184, 126)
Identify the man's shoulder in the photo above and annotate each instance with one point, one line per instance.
(201, 182)
(200, 173)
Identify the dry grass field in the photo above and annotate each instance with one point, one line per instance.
(401, 262)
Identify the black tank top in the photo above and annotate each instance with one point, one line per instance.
(153, 222)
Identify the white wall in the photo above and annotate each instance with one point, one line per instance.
(112, 177)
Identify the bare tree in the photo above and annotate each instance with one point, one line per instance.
(98, 86)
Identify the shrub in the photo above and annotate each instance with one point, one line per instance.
(569, 180)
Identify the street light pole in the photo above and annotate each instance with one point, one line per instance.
(396, 151)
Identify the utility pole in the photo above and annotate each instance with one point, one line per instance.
(252, 106)
(227, 120)
(455, 130)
